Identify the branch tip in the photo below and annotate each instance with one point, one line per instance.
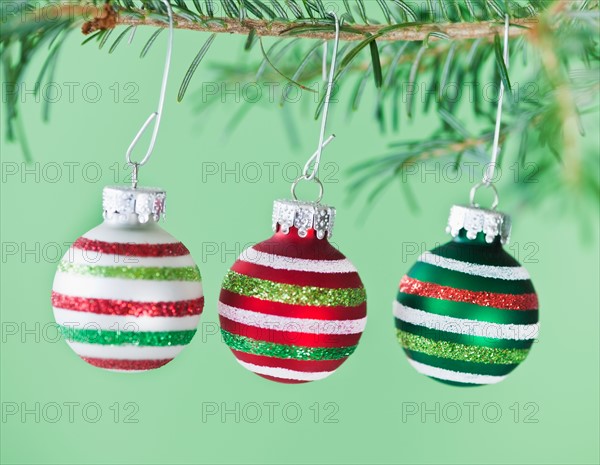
(107, 19)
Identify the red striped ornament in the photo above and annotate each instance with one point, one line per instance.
(127, 295)
(293, 308)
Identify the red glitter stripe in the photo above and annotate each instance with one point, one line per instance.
(289, 337)
(120, 364)
(299, 278)
(128, 307)
(175, 249)
(307, 366)
(485, 299)
(294, 311)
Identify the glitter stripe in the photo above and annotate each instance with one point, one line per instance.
(125, 352)
(462, 366)
(124, 322)
(132, 250)
(448, 375)
(87, 257)
(186, 273)
(486, 299)
(294, 311)
(245, 344)
(299, 325)
(128, 307)
(444, 277)
(465, 326)
(511, 273)
(139, 338)
(291, 294)
(288, 363)
(468, 311)
(467, 353)
(289, 337)
(126, 365)
(441, 335)
(285, 373)
(298, 278)
(280, 262)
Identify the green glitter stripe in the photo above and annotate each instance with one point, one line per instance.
(270, 349)
(138, 338)
(453, 351)
(467, 310)
(435, 274)
(475, 251)
(467, 339)
(185, 273)
(462, 366)
(292, 294)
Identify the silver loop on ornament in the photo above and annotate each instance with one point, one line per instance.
(476, 187)
(135, 167)
(156, 115)
(315, 179)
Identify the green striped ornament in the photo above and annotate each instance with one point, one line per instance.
(466, 313)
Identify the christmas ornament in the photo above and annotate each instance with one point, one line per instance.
(467, 313)
(293, 308)
(127, 295)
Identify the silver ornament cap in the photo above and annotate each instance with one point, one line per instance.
(475, 220)
(303, 216)
(133, 205)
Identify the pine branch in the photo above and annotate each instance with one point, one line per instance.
(402, 48)
(403, 32)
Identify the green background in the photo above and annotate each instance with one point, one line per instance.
(548, 406)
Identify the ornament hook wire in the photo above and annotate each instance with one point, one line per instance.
(155, 116)
(490, 170)
(315, 160)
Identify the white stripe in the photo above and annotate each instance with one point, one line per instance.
(457, 376)
(150, 233)
(296, 325)
(125, 352)
(87, 320)
(140, 290)
(285, 373)
(511, 273)
(280, 262)
(89, 257)
(464, 326)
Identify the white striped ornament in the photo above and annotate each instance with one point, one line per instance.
(85, 286)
